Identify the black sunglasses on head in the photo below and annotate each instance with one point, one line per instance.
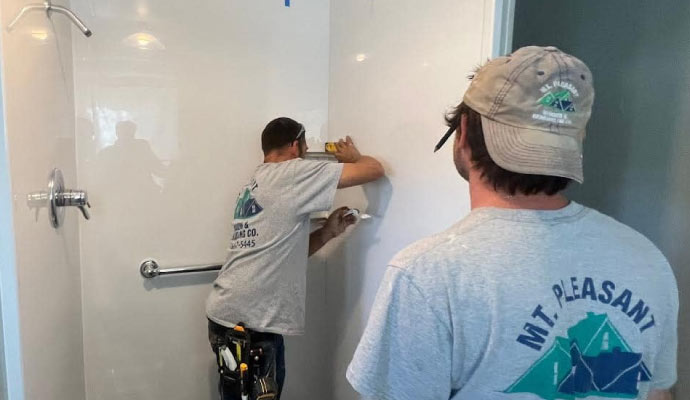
(445, 137)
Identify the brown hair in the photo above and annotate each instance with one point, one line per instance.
(499, 178)
(279, 133)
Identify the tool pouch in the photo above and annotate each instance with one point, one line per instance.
(265, 388)
(231, 385)
(263, 358)
(259, 354)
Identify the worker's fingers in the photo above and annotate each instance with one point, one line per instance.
(349, 141)
(340, 211)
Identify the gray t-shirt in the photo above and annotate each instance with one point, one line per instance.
(263, 282)
(522, 304)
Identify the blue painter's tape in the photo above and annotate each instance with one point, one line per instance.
(287, 3)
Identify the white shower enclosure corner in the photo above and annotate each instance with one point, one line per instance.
(157, 116)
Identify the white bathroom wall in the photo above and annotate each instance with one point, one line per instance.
(39, 129)
(396, 67)
(198, 81)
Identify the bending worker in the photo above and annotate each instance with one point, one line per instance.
(259, 294)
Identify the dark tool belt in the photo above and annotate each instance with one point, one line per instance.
(247, 368)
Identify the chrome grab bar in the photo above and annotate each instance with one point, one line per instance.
(150, 269)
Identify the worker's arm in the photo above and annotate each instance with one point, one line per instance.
(357, 169)
(660, 395)
(334, 226)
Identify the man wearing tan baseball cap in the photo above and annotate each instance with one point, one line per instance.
(531, 296)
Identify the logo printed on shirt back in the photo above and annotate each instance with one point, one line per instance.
(245, 234)
(247, 206)
(594, 360)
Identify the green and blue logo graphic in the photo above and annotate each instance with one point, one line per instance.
(247, 206)
(561, 100)
(594, 360)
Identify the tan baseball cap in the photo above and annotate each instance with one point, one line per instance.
(534, 104)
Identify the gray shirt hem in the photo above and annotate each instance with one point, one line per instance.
(286, 332)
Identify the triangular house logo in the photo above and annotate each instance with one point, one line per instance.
(247, 206)
(594, 360)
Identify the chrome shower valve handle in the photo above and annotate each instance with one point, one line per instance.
(57, 198)
(75, 198)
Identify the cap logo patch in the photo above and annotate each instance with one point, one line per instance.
(560, 100)
(557, 100)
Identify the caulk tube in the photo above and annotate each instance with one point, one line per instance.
(356, 213)
(352, 211)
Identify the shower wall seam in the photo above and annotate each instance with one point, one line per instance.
(79, 225)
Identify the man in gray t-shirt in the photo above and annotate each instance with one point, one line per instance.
(262, 284)
(530, 296)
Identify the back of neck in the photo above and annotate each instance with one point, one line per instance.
(276, 157)
(483, 194)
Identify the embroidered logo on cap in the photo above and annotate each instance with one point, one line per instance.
(558, 100)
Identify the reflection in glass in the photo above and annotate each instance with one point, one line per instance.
(143, 41)
(39, 34)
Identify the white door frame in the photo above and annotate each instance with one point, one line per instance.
(504, 15)
(497, 38)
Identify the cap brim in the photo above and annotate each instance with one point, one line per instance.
(530, 151)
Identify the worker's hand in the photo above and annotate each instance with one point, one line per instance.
(346, 152)
(337, 223)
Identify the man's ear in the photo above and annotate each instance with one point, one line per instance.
(461, 135)
(294, 147)
(460, 143)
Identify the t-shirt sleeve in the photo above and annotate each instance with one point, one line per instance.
(314, 185)
(664, 374)
(405, 352)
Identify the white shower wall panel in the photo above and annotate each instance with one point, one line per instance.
(195, 82)
(39, 127)
(396, 68)
(171, 98)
